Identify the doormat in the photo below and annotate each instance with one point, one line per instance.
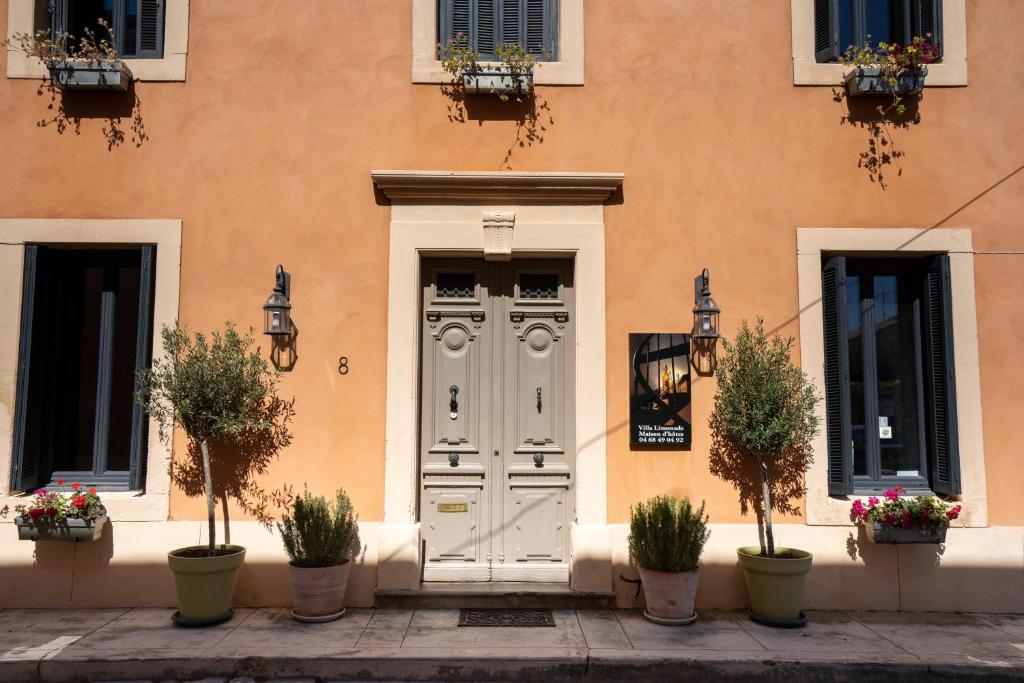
(506, 617)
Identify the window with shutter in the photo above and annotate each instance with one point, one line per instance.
(486, 24)
(136, 26)
(86, 330)
(841, 23)
(889, 385)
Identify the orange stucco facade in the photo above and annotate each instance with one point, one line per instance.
(264, 154)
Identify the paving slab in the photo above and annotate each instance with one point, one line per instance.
(705, 634)
(31, 633)
(276, 628)
(1010, 624)
(827, 633)
(386, 628)
(928, 633)
(602, 629)
(145, 628)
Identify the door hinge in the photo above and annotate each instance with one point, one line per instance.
(488, 557)
(501, 557)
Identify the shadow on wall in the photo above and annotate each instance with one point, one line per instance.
(67, 109)
(881, 123)
(529, 111)
(236, 464)
(104, 574)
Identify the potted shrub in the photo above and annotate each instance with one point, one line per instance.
(666, 538)
(904, 519)
(215, 390)
(511, 77)
(764, 418)
(54, 516)
(319, 538)
(88, 64)
(889, 69)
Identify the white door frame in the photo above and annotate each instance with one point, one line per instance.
(441, 214)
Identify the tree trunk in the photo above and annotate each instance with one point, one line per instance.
(767, 497)
(211, 511)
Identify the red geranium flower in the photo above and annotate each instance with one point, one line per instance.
(78, 502)
(51, 512)
(60, 482)
(953, 513)
(35, 513)
(92, 491)
(76, 486)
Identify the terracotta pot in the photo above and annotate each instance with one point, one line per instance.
(206, 585)
(670, 595)
(318, 593)
(775, 585)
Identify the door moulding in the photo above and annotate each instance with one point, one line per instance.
(438, 213)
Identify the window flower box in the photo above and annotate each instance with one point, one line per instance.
(71, 529)
(498, 80)
(878, 533)
(91, 75)
(904, 519)
(870, 80)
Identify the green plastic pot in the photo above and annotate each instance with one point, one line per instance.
(775, 585)
(206, 585)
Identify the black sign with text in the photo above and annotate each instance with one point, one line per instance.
(659, 389)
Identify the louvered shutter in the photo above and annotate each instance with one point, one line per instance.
(926, 17)
(826, 30)
(26, 461)
(58, 17)
(489, 23)
(150, 36)
(943, 436)
(143, 354)
(837, 377)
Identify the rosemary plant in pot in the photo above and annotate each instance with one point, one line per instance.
(763, 422)
(219, 391)
(319, 538)
(666, 538)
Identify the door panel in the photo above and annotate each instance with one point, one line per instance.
(497, 419)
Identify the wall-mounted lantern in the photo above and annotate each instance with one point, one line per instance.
(705, 310)
(277, 312)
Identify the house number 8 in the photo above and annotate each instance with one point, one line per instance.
(343, 365)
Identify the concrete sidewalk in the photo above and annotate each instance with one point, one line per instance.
(422, 645)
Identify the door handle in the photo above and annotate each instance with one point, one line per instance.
(540, 400)
(453, 405)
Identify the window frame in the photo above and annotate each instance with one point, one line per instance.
(171, 67)
(566, 70)
(59, 17)
(950, 72)
(446, 30)
(153, 503)
(820, 507)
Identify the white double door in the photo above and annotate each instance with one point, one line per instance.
(497, 435)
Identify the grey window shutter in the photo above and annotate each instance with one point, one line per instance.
(926, 17)
(943, 435)
(486, 34)
(26, 461)
(150, 36)
(826, 30)
(837, 377)
(58, 16)
(143, 354)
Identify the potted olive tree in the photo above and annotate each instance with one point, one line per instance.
(762, 426)
(666, 539)
(219, 392)
(319, 539)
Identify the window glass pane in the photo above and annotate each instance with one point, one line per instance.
(124, 279)
(883, 21)
(897, 361)
(84, 14)
(456, 285)
(855, 347)
(131, 28)
(844, 19)
(538, 286)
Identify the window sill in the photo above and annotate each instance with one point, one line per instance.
(949, 73)
(122, 506)
(170, 68)
(564, 72)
